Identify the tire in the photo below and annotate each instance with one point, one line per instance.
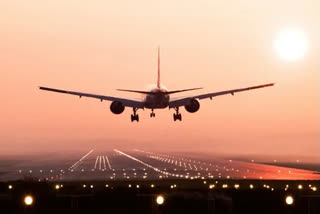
(137, 118)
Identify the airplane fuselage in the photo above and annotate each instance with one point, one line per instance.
(158, 99)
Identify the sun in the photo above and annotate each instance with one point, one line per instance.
(291, 44)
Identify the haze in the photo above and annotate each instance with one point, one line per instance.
(99, 46)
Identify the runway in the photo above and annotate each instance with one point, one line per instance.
(137, 164)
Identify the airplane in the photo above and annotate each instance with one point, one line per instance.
(157, 98)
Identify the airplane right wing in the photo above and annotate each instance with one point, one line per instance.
(186, 101)
(126, 102)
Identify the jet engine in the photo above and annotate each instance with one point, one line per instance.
(117, 107)
(193, 106)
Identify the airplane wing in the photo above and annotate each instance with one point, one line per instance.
(126, 102)
(185, 101)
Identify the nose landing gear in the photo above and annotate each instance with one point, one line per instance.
(134, 116)
(177, 115)
(152, 114)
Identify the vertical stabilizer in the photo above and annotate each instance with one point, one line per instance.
(158, 79)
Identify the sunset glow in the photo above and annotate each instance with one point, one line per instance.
(100, 46)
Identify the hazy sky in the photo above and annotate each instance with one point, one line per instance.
(98, 46)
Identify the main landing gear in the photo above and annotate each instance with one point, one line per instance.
(177, 115)
(152, 114)
(134, 116)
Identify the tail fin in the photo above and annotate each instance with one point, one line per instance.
(158, 79)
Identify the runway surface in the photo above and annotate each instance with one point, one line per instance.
(118, 164)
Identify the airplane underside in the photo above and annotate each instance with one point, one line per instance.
(156, 101)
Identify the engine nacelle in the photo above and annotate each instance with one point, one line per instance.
(117, 107)
(193, 106)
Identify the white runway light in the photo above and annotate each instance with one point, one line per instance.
(289, 200)
(28, 200)
(160, 199)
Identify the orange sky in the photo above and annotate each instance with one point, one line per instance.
(96, 46)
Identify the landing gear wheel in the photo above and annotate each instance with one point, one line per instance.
(152, 114)
(177, 115)
(134, 116)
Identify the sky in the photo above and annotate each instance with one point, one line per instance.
(99, 46)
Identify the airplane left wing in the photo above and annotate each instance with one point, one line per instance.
(186, 101)
(126, 102)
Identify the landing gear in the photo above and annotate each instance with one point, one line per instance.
(134, 116)
(177, 115)
(152, 114)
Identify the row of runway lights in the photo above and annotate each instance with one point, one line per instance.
(166, 158)
(166, 174)
(72, 170)
(160, 199)
(28, 200)
(180, 158)
(187, 176)
(196, 168)
(211, 186)
(172, 161)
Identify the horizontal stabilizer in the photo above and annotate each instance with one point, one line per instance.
(159, 92)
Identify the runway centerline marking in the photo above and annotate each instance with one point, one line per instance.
(99, 162)
(104, 163)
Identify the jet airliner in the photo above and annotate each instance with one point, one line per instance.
(157, 98)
